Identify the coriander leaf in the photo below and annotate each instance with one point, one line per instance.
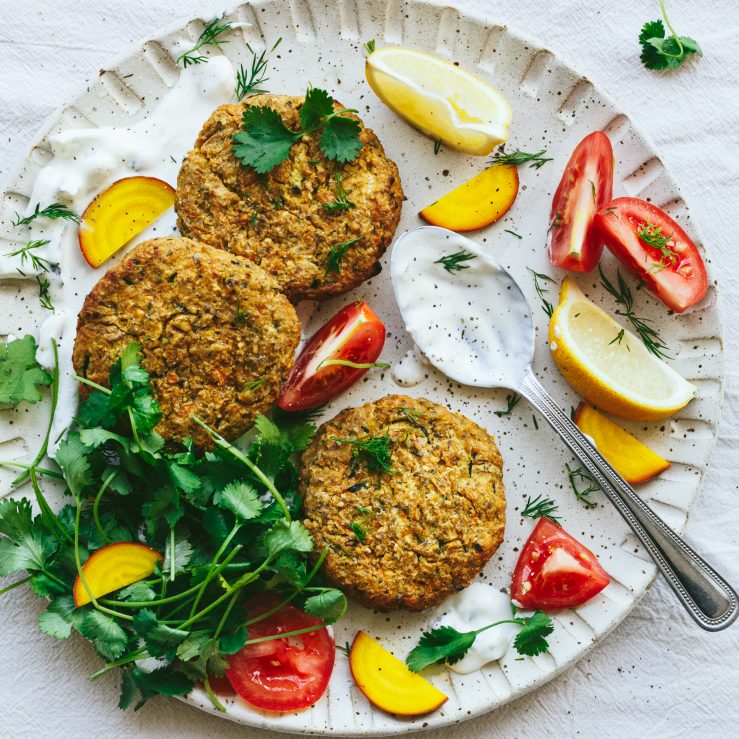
(28, 552)
(163, 503)
(108, 638)
(268, 430)
(241, 499)
(264, 140)
(340, 140)
(291, 568)
(441, 644)
(20, 373)
(45, 587)
(330, 605)
(318, 105)
(231, 643)
(95, 437)
(96, 411)
(182, 554)
(59, 618)
(183, 478)
(200, 656)
(71, 456)
(146, 412)
(16, 518)
(139, 591)
(287, 536)
(531, 640)
(128, 690)
(161, 640)
(300, 436)
(162, 681)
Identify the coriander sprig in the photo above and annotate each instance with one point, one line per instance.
(27, 254)
(249, 80)
(539, 507)
(455, 262)
(518, 158)
(210, 36)
(446, 644)
(660, 51)
(623, 296)
(53, 211)
(541, 291)
(337, 253)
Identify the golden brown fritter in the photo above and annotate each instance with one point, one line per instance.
(279, 220)
(217, 336)
(412, 536)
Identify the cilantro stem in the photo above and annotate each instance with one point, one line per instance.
(78, 563)
(171, 555)
(211, 569)
(96, 507)
(29, 467)
(238, 454)
(226, 613)
(672, 31)
(14, 585)
(85, 381)
(52, 520)
(138, 654)
(285, 634)
(213, 698)
(54, 398)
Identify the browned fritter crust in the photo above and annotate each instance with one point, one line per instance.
(430, 527)
(209, 323)
(279, 220)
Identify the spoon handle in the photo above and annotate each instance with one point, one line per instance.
(708, 598)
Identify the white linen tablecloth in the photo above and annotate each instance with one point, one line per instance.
(657, 675)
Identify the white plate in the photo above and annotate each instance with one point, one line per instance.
(554, 107)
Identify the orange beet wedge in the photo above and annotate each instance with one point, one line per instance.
(121, 212)
(387, 682)
(113, 567)
(478, 202)
(634, 461)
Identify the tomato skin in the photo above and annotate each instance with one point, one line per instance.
(586, 186)
(355, 334)
(678, 285)
(555, 570)
(282, 674)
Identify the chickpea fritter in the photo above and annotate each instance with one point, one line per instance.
(408, 528)
(217, 336)
(286, 221)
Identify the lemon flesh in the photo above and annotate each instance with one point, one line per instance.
(618, 375)
(443, 101)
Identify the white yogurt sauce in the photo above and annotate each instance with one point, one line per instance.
(473, 324)
(474, 607)
(85, 162)
(411, 370)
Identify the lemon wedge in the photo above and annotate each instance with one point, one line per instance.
(615, 374)
(443, 101)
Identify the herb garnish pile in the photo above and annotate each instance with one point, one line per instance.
(224, 521)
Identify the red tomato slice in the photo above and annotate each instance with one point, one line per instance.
(675, 272)
(555, 570)
(282, 674)
(354, 334)
(586, 186)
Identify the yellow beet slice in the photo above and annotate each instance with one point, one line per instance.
(113, 567)
(634, 461)
(121, 212)
(387, 682)
(478, 202)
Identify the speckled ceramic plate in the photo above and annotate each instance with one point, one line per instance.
(554, 107)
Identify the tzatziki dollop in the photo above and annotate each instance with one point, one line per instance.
(85, 162)
(473, 608)
(473, 322)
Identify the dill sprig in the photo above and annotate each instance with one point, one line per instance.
(53, 211)
(374, 451)
(289, 418)
(369, 46)
(512, 233)
(539, 507)
(651, 235)
(26, 253)
(437, 146)
(337, 253)
(249, 81)
(255, 384)
(623, 296)
(513, 400)
(208, 37)
(341, 197)
(618, 338)
(453, 262)
(412, 417)
(518, 158)
(541, 291)
(44, 295)
(580, 476)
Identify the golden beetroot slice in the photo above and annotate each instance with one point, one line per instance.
(121, 212)
(113, 567)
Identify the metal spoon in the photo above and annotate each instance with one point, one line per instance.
(495, 343)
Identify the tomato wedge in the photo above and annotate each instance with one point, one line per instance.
(586, 186)
(653, 246)
(555, 570)
(282, 674)
(355, 334)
